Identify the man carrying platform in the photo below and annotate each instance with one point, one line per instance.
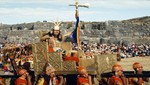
(48, 76)
(118, 77)
(83, 77)
(138, 69)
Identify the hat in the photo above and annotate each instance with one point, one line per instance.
(116, 67)
(56, 27)
(136, 65)
(79, 68)
(50, 65)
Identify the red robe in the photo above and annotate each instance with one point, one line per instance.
(82, 80)
(50, 49)
(71, 58)
(19, 81)
(114, 80)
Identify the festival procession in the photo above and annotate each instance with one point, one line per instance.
(59, 57)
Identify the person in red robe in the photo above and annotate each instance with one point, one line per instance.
(24, 78)
(138, 69)
(83, 77)
(118, 77)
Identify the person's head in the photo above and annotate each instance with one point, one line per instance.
(26, 66)
(117, 69)
(56, 30)
(23, 73)
(82, 71)
(137, 66)
(49, 70)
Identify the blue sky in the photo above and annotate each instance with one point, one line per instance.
(25, 11)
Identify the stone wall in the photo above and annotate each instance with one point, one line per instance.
(127, 31)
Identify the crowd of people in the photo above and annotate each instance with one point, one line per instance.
(124, 51)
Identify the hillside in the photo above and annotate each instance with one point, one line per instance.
(136, 30)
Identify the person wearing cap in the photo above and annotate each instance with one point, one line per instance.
(83, 77)
(138, 69)
(24, 78)
(118, 77)
(48, 76)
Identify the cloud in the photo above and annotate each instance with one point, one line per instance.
(121, 4)
(33, 1)
(33, 14)
(31, 10)
(115, 4)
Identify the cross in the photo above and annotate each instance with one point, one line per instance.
(79, 5)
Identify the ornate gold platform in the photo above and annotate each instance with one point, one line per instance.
(95, 66)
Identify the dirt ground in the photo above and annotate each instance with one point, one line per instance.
(126, 63)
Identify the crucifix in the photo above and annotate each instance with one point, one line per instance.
(79, 5)
(76, 32)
